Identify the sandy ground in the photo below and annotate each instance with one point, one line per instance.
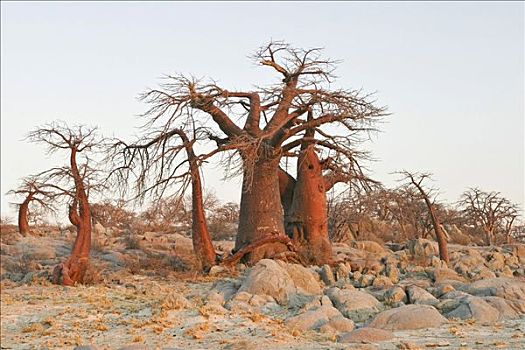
(148, 311)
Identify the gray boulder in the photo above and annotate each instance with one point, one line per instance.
(354, 304)
(408, 317)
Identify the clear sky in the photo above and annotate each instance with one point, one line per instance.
(452, 75)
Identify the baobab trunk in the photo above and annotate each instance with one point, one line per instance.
(23, 211)
(440, 236)
(286, 188)
(260, 214)
(202, 243)
(73, 270)
(308, 221)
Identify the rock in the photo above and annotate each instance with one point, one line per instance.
(369, 246)
(392, 272)
(342, 273)
(305, 280)
(422, 249)
(443, 289)
(365, 335)
(495, 261)
(338, 325)
(313, 319)
(417, 295)
(85, 347)
(409, 317)
(226, 288)
(217, 270)
(381, 282)
(241, 345)
(365, 281)
(506, 272)
(508, 309)
(395, 295)
(354, 304)
(269, 278)
(444, 273)
(327, 275)
(518, 250)
(115, 258)
(474, 308)
(506, 288)
(481, 273)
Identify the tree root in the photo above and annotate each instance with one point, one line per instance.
(275, 238)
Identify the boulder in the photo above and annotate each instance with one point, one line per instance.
(395, 295)
(267, 277)
(508, 309)
(408, 317)
(369, 246)
(444, 273)
(365, 335)
(417, 295)
(337, 325)
(313, 319)
(327, 275)
(470, 307)
(381, 282)
(495, 261)
(354, 304)
(506, 288)
(305, 280)
(422, 249)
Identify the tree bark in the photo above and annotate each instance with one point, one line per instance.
(23, 211)
(260, 215)
(286, 188)
(440, 236)
(73, 270)
(202, 243)
(308, 221)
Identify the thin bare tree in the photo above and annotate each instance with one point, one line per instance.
(36, 193)
(426, 194)
(490, 211)
(72, 180)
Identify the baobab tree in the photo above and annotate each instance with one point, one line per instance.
(161, 163)
(416, 180)
(489, 211)
(36, 193)
(261, 127)
(73, 181)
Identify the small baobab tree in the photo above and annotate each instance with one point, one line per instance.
(489, 211)
(260, 127)
(72, 180)
(160, 167)
(36, 194)
(426, 194)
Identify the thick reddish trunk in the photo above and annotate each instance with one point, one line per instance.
(73, 270)
(260, 214)
(23, 211)
(308, 220)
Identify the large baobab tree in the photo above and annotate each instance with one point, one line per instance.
(416, 180)
(34, 193)
(262, 126)
(488, 210)
(71, 180)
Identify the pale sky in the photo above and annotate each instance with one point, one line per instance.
(452, 75)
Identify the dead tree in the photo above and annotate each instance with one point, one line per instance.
(416, 180)
(159, 165)
(71, 180)
(34, 192)
(488, 210)
(260, 126)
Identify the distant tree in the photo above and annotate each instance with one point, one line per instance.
(74, 180)
(426, 194)
(489, 211)
(35, 193)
